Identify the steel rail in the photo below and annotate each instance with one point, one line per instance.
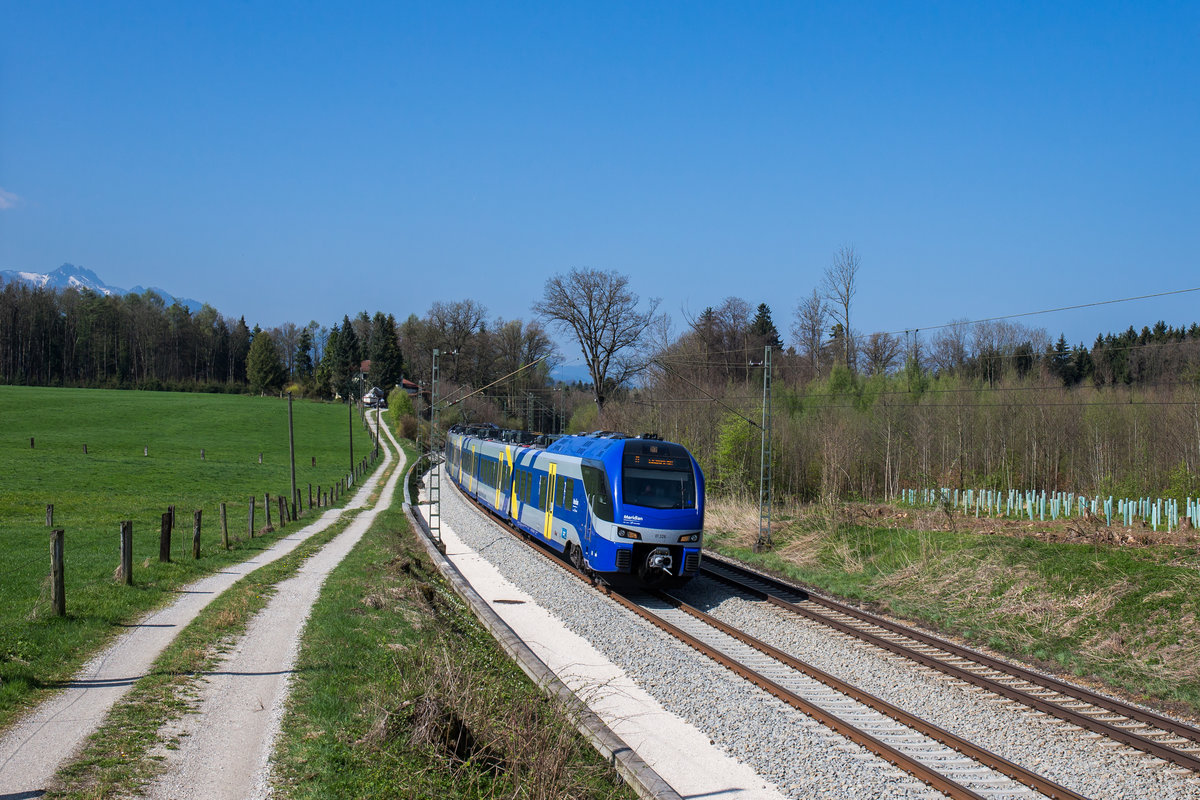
(985, 757)
(899, 759)
(1073, 716)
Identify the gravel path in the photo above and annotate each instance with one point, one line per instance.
(227, 742)
(796, 753)
(36, 747)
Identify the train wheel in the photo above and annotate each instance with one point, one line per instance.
(576, 556)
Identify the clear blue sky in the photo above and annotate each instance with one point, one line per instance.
(296, 161)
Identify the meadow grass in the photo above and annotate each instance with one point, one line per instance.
(399, 692)
(114, 481)
(1124, 616)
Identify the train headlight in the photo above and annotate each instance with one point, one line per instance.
(690, 537)
(628, 534)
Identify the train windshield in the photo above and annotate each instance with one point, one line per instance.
(659, 488)
(657, 475)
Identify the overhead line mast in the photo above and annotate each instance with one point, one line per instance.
(765, 482)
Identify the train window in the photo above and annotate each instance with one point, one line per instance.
(542, 493)
(595, 486)
(659, 488)
(568, 493)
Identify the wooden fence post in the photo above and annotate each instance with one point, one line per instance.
(49, 515)
(58, 600)
(127, 552)
(196, 533)
(85, 449)
(31, 447)
(164, 539)
(267, 505)
(310, 497)
(224, 528)
(282, 506)
(251, 516)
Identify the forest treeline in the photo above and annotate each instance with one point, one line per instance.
(78, 337)
(991, 405)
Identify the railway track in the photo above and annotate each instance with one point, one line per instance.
(941, 759)
(1135, 727)
(948, 763)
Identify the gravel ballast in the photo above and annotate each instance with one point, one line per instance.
(800, 756)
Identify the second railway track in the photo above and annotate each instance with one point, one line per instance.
(1135, 727)
(952, 761)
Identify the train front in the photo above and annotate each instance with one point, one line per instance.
(659, 510)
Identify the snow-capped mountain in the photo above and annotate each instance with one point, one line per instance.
(69, 276)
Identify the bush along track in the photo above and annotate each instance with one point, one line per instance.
(399, 692)
(1113, 616)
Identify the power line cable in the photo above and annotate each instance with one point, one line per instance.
(449, 403)
(728, 408)
(1046, 311)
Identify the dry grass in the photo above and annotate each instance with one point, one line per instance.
(735, 518)
(474, 727)
(1123, 608)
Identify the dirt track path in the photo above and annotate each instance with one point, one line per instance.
(226, 748)
(34, 749)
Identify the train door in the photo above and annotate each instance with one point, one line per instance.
(588, 528)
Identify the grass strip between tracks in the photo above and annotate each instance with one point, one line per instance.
(399, 692)
(119, 757)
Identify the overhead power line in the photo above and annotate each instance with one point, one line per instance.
(1045, 311)
(457, 400)
(719, 402)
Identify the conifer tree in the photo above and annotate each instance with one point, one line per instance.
(264, 369)
(763, 329)
(386, 361)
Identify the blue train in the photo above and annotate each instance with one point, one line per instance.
(610, 504)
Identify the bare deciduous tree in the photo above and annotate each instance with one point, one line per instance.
(602, 312)
(949, 349)
(456, 327)
(882, 353)
(809, 329)
(841, 284)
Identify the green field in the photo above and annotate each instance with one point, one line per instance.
(114, 481)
